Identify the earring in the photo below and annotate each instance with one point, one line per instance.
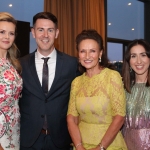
(99, 59)
(130, 69)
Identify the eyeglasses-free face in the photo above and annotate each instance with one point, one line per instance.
(139, 61)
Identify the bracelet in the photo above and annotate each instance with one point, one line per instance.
(102, 147)
(78, 145)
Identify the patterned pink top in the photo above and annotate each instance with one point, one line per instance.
(10, 89)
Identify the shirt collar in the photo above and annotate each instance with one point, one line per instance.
(52, 55)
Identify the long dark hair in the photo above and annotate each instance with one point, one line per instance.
(128, 75)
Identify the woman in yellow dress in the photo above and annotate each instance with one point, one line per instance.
(97, 100)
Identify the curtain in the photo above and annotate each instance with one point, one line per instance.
(73, 17)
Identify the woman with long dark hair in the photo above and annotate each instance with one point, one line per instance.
(136, 77)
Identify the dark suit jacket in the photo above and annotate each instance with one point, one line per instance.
(34, 104)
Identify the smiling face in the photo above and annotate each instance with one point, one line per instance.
(139, 61)
(7, 35)
(45, 33)
(89, 54)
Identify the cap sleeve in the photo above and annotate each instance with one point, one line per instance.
(118, 103)
(72, 102)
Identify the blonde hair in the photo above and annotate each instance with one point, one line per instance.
(13, 50)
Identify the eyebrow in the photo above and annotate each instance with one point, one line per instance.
(5, 30)
(139, 53)
(44, 28)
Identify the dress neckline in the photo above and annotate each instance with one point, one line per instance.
(2, 58)
(4, 61)
(139, 84)
(95, 74)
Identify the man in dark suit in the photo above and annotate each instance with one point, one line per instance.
(43, 114)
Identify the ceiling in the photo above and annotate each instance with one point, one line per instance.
(22, 10)
(126, 18)
(123, 17)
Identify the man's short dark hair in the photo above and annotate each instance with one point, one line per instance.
(45, 15)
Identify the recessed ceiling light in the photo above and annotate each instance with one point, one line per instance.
(10, 5)
(109, 24)
(129, 4)
(132, 29)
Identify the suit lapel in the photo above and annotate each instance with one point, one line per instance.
(35, 79)
(59, 64)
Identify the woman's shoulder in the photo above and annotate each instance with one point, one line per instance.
(78, 78)
(112, 76)
(112, 73)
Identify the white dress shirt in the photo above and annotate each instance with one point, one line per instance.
(51, 66)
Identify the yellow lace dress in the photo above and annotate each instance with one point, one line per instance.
(96, 100)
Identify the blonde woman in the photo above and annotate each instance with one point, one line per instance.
(10, 84)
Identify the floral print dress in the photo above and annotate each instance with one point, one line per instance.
(10, 88)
